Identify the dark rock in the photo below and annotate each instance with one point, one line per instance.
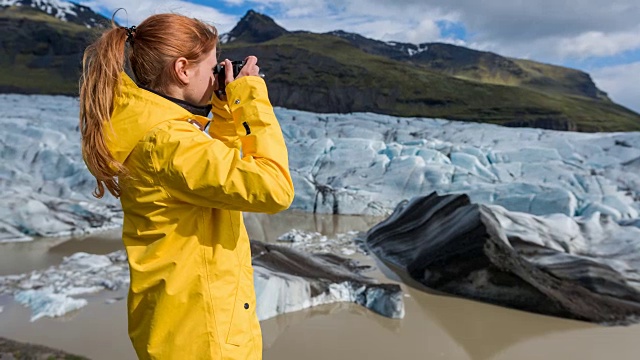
(450, 245)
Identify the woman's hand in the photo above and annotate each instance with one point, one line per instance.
(249, 69)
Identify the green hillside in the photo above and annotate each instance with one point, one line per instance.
(325, 73)
(40, 54)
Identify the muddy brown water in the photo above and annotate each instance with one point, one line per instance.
(435, 326)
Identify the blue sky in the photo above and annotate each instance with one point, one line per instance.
(600, 39)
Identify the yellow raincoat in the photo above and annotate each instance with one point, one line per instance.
(191, 293)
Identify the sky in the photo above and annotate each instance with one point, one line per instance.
(601, 38)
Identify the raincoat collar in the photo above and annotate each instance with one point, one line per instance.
(135, 112)
(194, 109)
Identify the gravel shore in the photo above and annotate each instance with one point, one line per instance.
(13, 350)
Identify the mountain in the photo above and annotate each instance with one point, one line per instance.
(254, 28)
(42, 44)
(344, 72)
(486, 67)
(333, 72)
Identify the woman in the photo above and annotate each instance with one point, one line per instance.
(182, 189)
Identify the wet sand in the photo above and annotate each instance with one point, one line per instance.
(435, 326)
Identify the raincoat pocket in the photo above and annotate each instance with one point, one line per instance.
(244, 309)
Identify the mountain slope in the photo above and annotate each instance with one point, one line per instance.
(41, 47)
(482, 66)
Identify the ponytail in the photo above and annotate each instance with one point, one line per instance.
(102, 64)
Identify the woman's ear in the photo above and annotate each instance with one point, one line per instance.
(180, 67)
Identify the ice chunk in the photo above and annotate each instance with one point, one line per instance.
(287, 280)
(44, 302)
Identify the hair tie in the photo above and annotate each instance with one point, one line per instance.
(131, 31)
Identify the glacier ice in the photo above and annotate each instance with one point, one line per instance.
(44, 302)
(346, 164)
(44, 184)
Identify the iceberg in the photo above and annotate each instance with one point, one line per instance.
(44, 302)
(285, 280)
(316, 243)
(585, 268)
(288, 280)
(51, 292)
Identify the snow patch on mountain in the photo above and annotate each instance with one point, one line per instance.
(60, 9)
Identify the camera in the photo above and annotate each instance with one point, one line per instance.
(220, 73)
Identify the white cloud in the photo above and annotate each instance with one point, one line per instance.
(621, 82)
(597, 43)
(425, 31)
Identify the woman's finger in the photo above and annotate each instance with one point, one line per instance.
(228, 71)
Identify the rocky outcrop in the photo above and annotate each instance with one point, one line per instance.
(254, 28)
(579, 268)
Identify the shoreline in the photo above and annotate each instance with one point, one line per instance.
(435, 326)
(10, 349)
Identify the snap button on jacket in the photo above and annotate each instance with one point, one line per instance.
(191, 294)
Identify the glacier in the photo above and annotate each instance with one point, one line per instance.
(343, 164)
(44, 185)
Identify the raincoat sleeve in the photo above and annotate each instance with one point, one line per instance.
(205, 171)
(222, 126)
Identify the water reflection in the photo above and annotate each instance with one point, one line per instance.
(273, 328)
(467, 322)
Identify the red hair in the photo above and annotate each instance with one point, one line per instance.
(156, 44)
